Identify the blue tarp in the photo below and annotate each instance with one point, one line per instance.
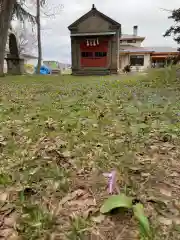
(44, 70)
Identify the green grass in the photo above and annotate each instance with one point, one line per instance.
(59, 134)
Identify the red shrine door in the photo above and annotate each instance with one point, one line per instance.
(94, 53)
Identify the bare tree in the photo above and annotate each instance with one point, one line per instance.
(9, 9)
(6, 9)
(27, 39)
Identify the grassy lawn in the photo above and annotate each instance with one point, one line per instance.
(58, 135)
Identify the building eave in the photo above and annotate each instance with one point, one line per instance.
(153, 53)
(135, 52)
(28, 56)
(92, 34)
(132, 38)
(124, 53)
(166, 53)
(162, 56)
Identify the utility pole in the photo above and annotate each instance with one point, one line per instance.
(38, 22)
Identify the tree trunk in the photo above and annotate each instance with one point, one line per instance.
(6, 7)
(39, 36)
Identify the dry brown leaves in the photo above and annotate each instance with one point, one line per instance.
(51, 149)
(158, 177)
(8, 218)
(78, 203)
(2, 143)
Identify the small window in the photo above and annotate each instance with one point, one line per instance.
(87, 54)
(131, 41)
(137, 60)
(100, 54)
(121, 41)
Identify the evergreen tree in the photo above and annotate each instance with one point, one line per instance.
(174, 30)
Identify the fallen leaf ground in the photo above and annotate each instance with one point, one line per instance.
(58, 135)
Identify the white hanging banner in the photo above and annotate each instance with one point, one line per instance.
(92, 42)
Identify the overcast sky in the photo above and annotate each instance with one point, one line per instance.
(149, 15)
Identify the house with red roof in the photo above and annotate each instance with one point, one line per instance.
(141, 58)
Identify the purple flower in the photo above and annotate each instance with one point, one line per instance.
(111, 180)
